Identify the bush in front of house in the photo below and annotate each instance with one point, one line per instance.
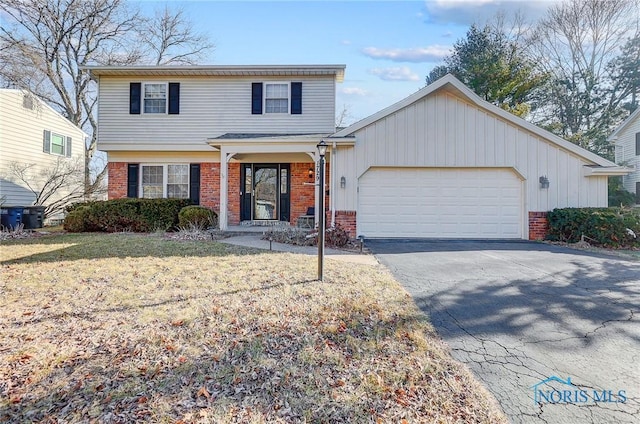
(333, 236)
(137, 215)
(197, 217)
(607, 227)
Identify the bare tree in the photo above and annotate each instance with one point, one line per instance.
(344, 117)
(169, 39)
(55, 186)
(575, 43)
(44, 45)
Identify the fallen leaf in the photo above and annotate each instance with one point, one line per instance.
(203, 392)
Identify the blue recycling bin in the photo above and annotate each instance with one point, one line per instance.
(11, 217)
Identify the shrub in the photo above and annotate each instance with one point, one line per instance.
(77, 220)
(609, 227)
(138, 215)
(334, 237)
(198, 217)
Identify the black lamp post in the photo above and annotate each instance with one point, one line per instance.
(322, 151)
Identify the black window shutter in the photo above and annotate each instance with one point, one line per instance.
(194, 183)
(256, 98)
(68, 147)
(133, 172)
(296, 98)
(174, 98)
(638, 143)
(638, 193)
(46, 141)
(135, 89)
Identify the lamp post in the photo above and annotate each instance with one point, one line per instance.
(322, 151)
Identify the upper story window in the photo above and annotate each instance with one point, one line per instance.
(276, 97)
(56, 144)
(638, 144)
(155, 97)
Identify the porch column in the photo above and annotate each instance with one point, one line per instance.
(224, 201)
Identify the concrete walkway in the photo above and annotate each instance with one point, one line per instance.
(254, 240)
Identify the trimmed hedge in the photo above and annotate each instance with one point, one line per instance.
(137, 215)
(197, 216)
(609, 227)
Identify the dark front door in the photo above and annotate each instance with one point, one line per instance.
(265, 192)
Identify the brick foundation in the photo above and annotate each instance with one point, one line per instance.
(117, 186)
(538, 225)
(347, 221)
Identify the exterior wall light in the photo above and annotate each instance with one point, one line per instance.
(310, 173)
(544, 182)
(343, 182)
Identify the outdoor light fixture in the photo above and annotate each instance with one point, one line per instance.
(343, 182)
(544, 182)
(322, 151)
(310, 173)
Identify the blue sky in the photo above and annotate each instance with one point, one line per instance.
(388, 46)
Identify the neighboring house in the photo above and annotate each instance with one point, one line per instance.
(242, 140)
(626, 139)
(32, 133)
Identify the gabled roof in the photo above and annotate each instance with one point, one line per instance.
(219, 70)
(451, 83)
(625, 124)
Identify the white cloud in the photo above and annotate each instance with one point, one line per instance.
(433, 53)
(467, 12)
(399, 73)
(354, 91)
(345, 42)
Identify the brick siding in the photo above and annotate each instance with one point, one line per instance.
(117, 186)
(538, 225)
(233, 193)
(347, 221)
(210, 185)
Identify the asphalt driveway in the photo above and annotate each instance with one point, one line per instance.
(521, 313)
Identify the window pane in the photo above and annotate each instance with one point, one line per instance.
(277, 106)
(155, 98)
(152, 182)
(57, 144)
(277, 91)
(178, 181)
(283, 181)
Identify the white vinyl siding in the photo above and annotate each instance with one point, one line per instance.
(21, 141)
(627, 155)
(165, 181)
(442, 130)
(209, 107)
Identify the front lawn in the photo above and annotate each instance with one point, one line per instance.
(119, 328)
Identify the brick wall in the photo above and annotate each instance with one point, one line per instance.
(538, 225)
(302, 193)
(233, 193)
(347, 220)
(210, 185)
(117, 175)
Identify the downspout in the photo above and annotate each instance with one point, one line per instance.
(332, 192)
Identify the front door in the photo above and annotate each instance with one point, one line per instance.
(265, 193)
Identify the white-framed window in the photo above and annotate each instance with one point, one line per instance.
(56, 144)
(276, 98)
(154, 97)
(164, 181)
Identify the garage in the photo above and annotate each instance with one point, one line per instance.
(440, 203)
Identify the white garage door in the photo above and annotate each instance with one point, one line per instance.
(447, 203)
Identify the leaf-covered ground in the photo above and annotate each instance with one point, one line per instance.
(126, 328)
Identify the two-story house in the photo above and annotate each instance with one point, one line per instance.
(37, 140)
(242, 140)
(626, 139)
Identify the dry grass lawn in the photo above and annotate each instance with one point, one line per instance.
(127, 328)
